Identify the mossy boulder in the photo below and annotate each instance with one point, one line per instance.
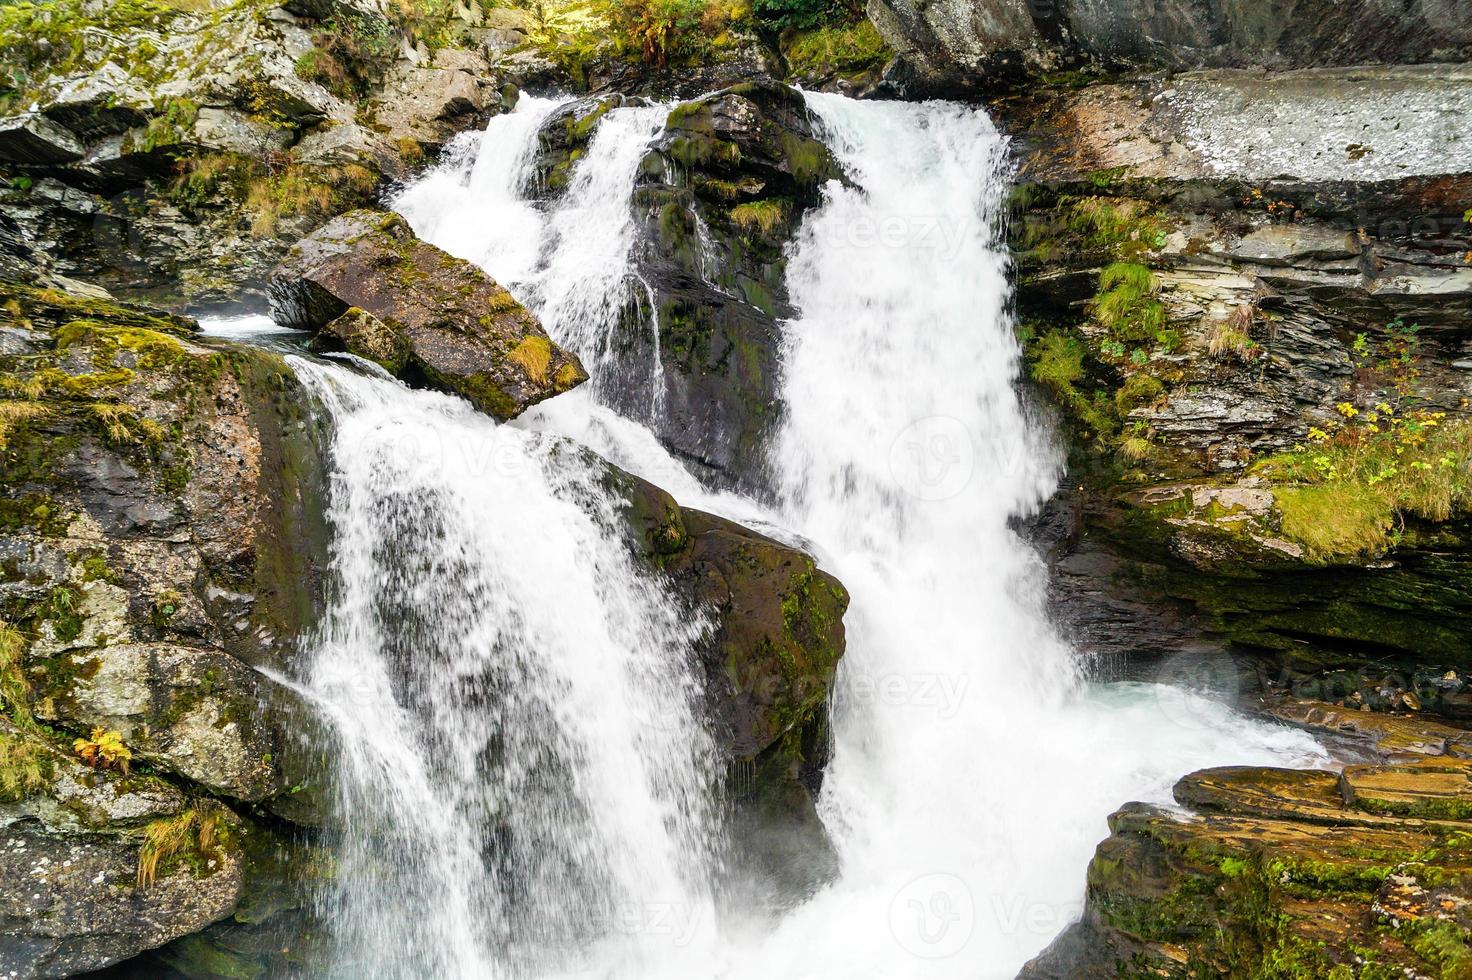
(719, 195)
(563, 140)
(435, 320)
(776, 619)
(768, 657)
(1276, 872)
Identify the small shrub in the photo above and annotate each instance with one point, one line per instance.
(103, 750)
(801, 14)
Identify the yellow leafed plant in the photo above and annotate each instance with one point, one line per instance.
(104, 750)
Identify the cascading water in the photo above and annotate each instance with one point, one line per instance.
(490, 667)
(491, 651)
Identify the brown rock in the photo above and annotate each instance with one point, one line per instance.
(456, 329)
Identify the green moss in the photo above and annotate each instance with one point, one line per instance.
(1137, 390)
(36, 512)
(1057, 363)
(808, 159)
(1336, 520)
(844, 49)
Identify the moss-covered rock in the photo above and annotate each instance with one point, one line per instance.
(163, 534)
(1283, 873)
(769, 654)
(719, 195)
(432, 318)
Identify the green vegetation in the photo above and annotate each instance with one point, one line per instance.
(272, 189)
(764, 216)
(1127, 305)
(838, 48)
(196, 834)
(1101, 368)
(349, 54)
(803, 14)
(26, 766)
(1057, 363)
(1346, 490)
(15, 690)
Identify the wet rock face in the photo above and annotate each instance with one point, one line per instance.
(719, 195)
(950, 45)
(161, 535)
(1294, 872)
(365, 283)
(774, 638)
(775, 619)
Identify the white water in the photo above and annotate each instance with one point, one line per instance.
(973, 767)
(524, 781)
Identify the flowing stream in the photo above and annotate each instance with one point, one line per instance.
(493, 660)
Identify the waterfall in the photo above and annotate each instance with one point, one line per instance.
(524, 782)
(491, 650)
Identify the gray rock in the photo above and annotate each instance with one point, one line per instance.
(73, 904)
(35, 140)
(198, 713)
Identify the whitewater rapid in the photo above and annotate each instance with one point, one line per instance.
(973, 765)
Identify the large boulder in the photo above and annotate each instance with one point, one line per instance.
(775, 636)
(364, 283)
(719, 194)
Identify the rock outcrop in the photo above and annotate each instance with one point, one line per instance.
(1283, 872)
(955, 45)
(173, 154)
(720, 193)
(1254, 333)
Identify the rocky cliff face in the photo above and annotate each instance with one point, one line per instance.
(174, 154)
(958, 44)
(1255, 331)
